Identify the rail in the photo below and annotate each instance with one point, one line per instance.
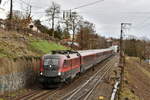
(85, 90)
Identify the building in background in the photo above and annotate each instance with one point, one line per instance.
(109, 42)
(33, 27)
(3, 13)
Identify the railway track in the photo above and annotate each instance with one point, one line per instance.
(43, 95)
(36, 95)
(85, 90)
(29, 94)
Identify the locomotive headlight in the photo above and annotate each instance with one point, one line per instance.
(59, 73)
(41, 73)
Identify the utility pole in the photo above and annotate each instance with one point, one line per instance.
(73, 37)
(120, 63)
(11, 13)
(121, 45)
(66, 19)
(30, 11)
(73, 18)
(122, 58)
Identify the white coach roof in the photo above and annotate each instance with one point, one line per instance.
(90, 52)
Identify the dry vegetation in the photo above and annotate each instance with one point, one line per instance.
(13, 44)
(137, 80)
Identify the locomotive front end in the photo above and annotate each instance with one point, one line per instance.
(49, 69)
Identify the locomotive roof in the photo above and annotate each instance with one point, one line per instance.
(60, 55)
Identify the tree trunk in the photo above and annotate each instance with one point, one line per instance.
(53, 19)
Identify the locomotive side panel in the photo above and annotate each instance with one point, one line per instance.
(70, 68)
(75, 67)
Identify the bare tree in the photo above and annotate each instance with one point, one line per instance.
(74, 20)
(137, 47)
(85, 36)
(19, 21)
(53, 12)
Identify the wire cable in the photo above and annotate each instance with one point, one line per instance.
(85, 5)
(29, 4)
(5, 2)
(89, 4)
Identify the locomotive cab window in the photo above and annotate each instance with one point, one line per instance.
(51, 61)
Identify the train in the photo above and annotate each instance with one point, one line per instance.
(64, 65)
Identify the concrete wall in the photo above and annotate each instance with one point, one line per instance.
(18, 73)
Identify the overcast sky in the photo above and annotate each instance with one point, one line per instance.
(107, 15)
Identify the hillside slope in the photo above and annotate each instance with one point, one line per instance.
(137, 80)
(13, 44)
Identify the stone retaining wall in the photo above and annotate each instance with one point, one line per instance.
(19, 73)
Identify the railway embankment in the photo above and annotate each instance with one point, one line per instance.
(137, 80)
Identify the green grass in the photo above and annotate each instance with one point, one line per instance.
(45, 46)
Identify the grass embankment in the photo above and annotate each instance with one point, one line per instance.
(44, 46)
(137, 80)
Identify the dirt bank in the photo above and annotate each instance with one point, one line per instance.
(137, 80)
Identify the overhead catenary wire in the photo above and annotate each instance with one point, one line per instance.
(88, 4)
(5, 2)
(143, 23)
(82, 6)
(29, 4)
(99, 13)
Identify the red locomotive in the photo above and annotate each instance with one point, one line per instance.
(61, 66)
